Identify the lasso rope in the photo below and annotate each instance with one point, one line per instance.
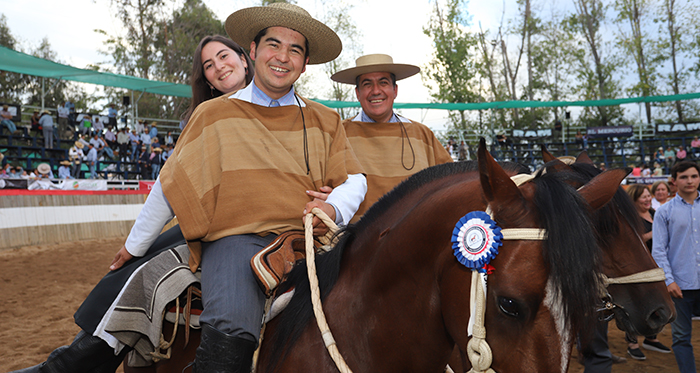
(315, 291)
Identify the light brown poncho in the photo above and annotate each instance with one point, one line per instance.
(378, 147)
(239, 168)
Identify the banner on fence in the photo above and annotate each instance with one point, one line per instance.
(677, 128)
(609, 131)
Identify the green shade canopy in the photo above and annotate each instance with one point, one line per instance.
(22, 63)
(517, 104)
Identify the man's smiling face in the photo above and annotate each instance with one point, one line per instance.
(376, 93)
(279, 60)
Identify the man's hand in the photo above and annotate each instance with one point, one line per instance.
(319, 228)
(122, 257)
(675, 290)
(322, 194)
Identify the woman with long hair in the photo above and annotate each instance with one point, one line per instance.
(220, 66)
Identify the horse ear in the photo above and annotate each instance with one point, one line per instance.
(602, 188)
(495, 183)
(584, 158)
(546, 155)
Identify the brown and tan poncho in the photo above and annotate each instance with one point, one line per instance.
(239, 168)
(378, 147)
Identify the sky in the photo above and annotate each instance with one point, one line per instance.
(393, 27)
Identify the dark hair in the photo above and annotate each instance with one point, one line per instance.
(682, 167)
(201, 90)
(263, 32)
(635, 191)
(357, 80)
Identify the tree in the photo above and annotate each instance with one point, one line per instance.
(637, 44)
(595, 69)
(11, 84)
(453, 69)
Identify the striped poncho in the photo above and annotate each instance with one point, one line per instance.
(378, 146)
(240, 168)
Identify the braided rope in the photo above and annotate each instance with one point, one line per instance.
(316, 292)
(651, 275)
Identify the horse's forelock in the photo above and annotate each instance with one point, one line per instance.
(570, 249)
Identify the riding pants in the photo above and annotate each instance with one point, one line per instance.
(233, 301)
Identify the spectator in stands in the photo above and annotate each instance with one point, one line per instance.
(578, 138)
(139, 126)
(46, 122)
(85, 124)
(64, 170)
(669, 156)
(153, 131)
(681, 154)
(660, 191)
(642, 200)
(144, 162)
(646, 171)
(602, 166)
(169, 139)
(6, 119)
(695, 148)
(146, 140)
(7, 170)
(123, 142)
(75, 153)
(34, 121)
(63, 123)
(659, 155)
(156, 161)
(134, 140)
(637, 171)
(658, 170)
(675, 249)
(111, 138)
(112, 116)
(43, 171)
(98, 125)
(92, 160)
(155, 143)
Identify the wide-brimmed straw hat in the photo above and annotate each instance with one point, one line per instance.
(65, 163)
(372, 63)
(157, 149)
(43, 168)
(243, 25)
(79, 144)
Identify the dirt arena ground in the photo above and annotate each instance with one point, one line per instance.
(42, 286)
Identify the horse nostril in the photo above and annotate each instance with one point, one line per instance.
(659, 317)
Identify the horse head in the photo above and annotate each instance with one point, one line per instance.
(641, 304)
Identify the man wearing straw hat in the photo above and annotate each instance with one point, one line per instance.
(239, 174)
(389, 146)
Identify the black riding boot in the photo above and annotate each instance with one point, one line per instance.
(87, 354)
(221, 353)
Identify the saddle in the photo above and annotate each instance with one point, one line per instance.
(271, 264)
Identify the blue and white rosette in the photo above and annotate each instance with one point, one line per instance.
(475, 240)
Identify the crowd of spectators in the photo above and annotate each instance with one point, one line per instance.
(140, 151)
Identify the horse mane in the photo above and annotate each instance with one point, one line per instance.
(568, 230)
(570, 249)
(607, 224)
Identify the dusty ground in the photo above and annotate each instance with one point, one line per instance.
(42, 286)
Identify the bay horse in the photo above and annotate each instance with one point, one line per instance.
(639, 308)
(397, 299)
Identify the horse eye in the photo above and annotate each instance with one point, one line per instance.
(508, 306)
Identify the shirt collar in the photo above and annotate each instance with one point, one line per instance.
(363, 117)
(256, 96)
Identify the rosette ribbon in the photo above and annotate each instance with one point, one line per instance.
(476, 239)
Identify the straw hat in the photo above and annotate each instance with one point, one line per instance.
(243, 25)
(158, 150)
(567, 159)
(375, 63)
(154, 124)
(45, 112)
(65, 163)
(79, 145)
(43, 168)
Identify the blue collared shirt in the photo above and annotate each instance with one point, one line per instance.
(363, 117)
(256, 96)
(676, 245)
